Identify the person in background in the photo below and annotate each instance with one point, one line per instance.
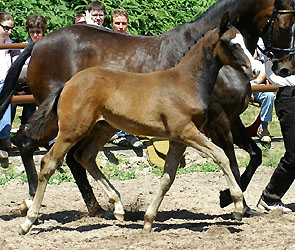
(266, 99)
(79, 19)
(36, 26)
(119, 24)
(6, 58)
(95, 13)
(284, 174)
(119, 20)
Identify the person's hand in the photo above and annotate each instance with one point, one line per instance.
(88, 18)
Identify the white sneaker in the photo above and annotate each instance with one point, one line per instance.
(263, 205)
(134, 141)
(264, 136)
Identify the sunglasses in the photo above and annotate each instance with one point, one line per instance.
(6, 28)
(35, 31)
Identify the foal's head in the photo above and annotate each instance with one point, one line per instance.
(231, 49)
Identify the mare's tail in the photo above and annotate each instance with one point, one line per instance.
(12, 77)
(43, 122)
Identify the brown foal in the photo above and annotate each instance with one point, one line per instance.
(171, 104)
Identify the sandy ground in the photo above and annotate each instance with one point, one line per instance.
(189, 217)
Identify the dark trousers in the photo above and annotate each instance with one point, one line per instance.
(284, 174)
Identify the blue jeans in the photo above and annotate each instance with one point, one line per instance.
(266, 99)
(5, 122)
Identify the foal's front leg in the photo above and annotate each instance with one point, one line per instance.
(243, 140)
(173, 158)
(192, 137)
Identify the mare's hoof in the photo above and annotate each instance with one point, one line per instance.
(108, 215)
(225, 198)
(119, 217)
(25, 207)
(251, 212)
(237, 216)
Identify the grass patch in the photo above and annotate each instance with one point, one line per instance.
(117, 172)
(58, 178)
(10, 174)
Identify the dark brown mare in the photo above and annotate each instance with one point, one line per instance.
(63, 53)
(171, 104)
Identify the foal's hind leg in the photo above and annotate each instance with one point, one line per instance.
(27, 146)
(173, 158)
(86, 155)
(48, 165)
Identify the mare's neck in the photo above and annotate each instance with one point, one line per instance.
(177, 42)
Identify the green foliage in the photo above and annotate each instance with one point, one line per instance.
(145, 17)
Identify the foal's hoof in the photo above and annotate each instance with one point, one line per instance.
(237, 216)
(225, 198)
(147, 227)
(119, 217)
(22, 231)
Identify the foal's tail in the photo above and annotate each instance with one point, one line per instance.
(43, 122)
(12, 77)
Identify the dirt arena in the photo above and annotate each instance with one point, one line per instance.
(189, 218)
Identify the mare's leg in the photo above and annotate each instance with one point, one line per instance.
(86, 154)
(27, 148)
(79, 174)
(48, 165)
(173, 158)
(243, 140)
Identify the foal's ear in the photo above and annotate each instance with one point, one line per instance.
(276, 4)
(223, 27)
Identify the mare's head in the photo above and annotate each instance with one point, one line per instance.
(231, 48)
(278, 34)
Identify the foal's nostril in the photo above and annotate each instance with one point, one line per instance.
(284, 72)
(256, 72)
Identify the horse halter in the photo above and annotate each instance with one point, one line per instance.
(269, 48)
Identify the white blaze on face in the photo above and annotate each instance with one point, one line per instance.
(240, 40)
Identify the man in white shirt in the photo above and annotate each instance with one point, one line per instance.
(284, 174)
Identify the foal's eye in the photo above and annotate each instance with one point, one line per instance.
(236, 45)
